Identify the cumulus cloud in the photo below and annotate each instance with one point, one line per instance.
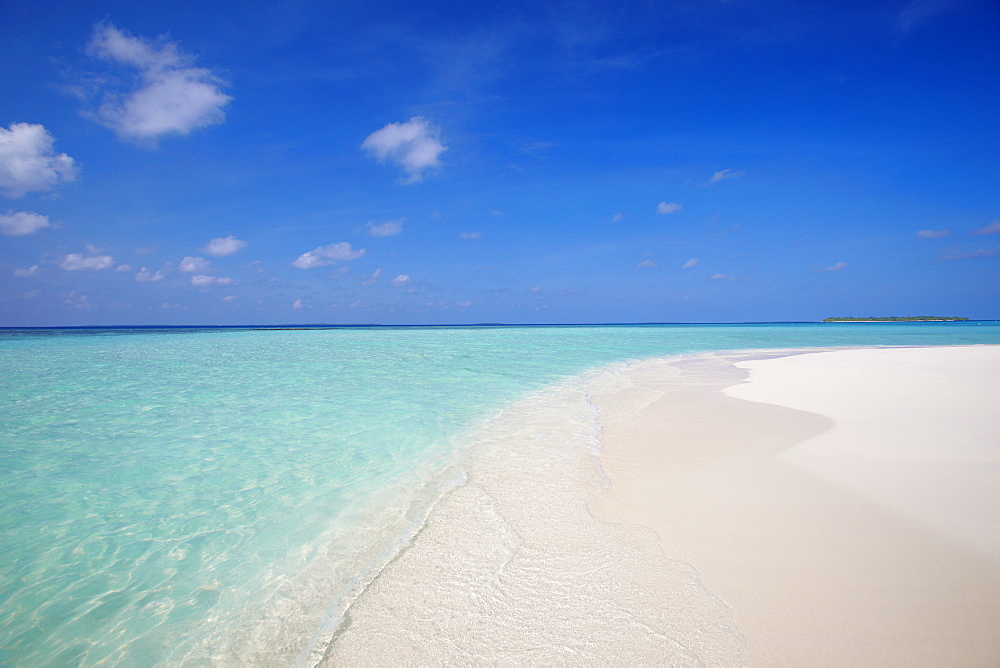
(389, 228)
(28, 162)
(170, 95)
(203, 281)
(299, 304)
(932, 234)
(668, 207)
(21, 223)
(324, 255)
(24, 273)
(402, 279)
(724, 174)
(647, 264)
(836, 266)
(959, 253)
(146, 276)
(191, 265)
(690, 263)
(92, 260)
(413, 145)
(470, 235)
(992, 228)
(224, 246)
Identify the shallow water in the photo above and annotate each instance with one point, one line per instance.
(225, 495)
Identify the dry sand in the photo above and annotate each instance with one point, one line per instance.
(845, 504)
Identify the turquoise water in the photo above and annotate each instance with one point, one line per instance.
(162, 491)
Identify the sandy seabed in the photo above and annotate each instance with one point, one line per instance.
(774, 508)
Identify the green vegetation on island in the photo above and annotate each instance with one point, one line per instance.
(916, 318)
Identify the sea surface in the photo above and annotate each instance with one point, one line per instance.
(223, 495)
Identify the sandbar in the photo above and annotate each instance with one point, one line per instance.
(845, 503)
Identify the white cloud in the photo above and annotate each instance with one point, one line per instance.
(932, 234)
(192, 265)
(324, 255)
(27, 161)
(721, 277)
(92, 261)
(992, 228)
(170, 97)
(464, 304)
(668, 207)
(389, 228)
(402, 279)
(374, 277)
(618, 217)
(21, 223)
(413, 145)
(123, 267)
(647, 264)
(690, 263)
(724, 174)
(470, 235)
(229, 298)
(146, 276)
(836, 266)
(76, 300)
(24, 273)
(958, 253)
(224, 246)
(203, 281)
(143, 251)
(298, 304)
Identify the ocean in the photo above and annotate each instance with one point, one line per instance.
(224, 495)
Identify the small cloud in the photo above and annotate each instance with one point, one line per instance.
(496, 212)
(724, 174)
(389, 228)
(668, 207)
(191, 265)
(229, 298)
(413, 145)
(836, 266)
(22, 223)
(24, 273)
(76, 300)
(470, 235)
(28, 162)
(92, 261)
(690, 263)
(146, 276)
(123, 267)
(224, 246)
(932, 234)
(402, 279)
(464, 304)
(299, 304)
(143, 251)
(992, 228)
(724, 277)
(373, 278)
(203, 281)
(618, 217)
(646, 264)
(172, 96)
(324, 255)
(958, 253)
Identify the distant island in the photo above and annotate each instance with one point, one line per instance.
(915, 318)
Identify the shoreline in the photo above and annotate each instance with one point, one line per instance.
(586, 533)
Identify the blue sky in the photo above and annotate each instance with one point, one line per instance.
(446, 162)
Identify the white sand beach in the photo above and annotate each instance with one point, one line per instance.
(764, 508)
(844, 504)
